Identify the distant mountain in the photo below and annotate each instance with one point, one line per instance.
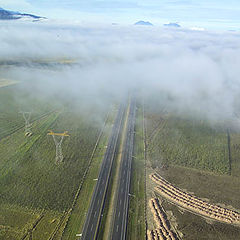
(143, 23)
(172, 25)
(10, 15)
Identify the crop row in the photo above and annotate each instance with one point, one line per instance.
(163, 231)
(194, 204)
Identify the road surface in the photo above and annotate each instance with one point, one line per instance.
(119, 230)
(91, 226)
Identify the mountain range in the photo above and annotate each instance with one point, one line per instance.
(143, 23)
(11, 15)
(176, 25)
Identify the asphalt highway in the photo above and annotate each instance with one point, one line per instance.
(91, 226)
(119, 230)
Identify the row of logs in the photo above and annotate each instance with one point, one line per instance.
(193, 203)
(163, 231)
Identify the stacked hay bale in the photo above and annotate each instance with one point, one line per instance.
(163, 231)
(194, 204)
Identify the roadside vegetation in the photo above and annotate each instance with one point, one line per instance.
(82, 202)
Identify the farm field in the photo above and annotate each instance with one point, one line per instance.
(36, 194)
(235, 153)
(16, 222)
(187, 142)
(40, 199)
(200, 157)
(217, 189)
(15, 100)
(164, 228)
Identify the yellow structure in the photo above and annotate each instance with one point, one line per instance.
(65, 134)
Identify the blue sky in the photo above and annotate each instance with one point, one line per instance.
(212, 14)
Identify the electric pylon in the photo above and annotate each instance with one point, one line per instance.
(58, 139)
(28, 125)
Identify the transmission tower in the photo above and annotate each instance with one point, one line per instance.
(58, 139)
(28, 125)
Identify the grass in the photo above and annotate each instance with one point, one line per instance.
(136, 219)
(15, 99)
(27, 172)
(20, 174)
(188, 142)
(235, 153)
(15, 221)
(47, 225)
(16, 217)
(29, 176)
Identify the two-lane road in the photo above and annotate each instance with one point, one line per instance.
(91, 227)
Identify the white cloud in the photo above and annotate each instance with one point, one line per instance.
(198, 70)
(197, 28)
(15, 5)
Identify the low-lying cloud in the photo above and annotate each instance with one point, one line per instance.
(196, 71)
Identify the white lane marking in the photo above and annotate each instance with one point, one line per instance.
(98, 201)
(92, 227)
(119, 214)
(95, 213)
(120, 201)
(117, 228)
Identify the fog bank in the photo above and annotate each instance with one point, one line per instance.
(196, 71)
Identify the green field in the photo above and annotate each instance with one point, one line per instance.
(189, 142)
(15, 99)
(40, 199)
(36, 194)
(198, 156)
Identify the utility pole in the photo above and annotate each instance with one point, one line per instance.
(28, 125)
(58, 139)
